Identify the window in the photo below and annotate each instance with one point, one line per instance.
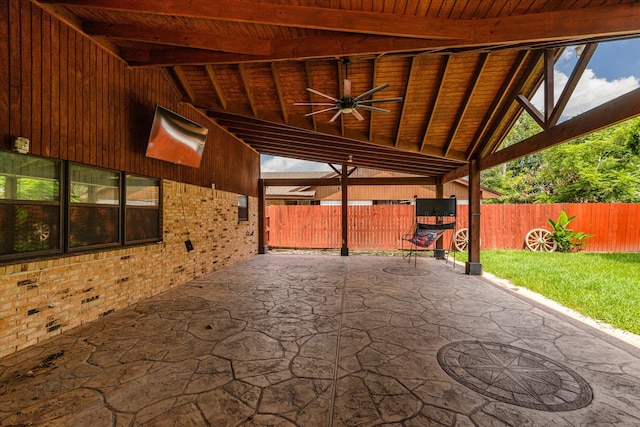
(94, 207)
(243, 208)
(51, 207)
(142, 210)
(29, 205)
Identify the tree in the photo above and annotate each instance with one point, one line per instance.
(601, 167)
(514, 179)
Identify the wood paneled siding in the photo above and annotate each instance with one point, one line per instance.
(75, 101)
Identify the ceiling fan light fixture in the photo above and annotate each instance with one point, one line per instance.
(348, 104)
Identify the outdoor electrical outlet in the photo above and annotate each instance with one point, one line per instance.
(188, 245)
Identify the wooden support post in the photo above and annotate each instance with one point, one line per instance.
(439, 252)
(473, 266)
(263, 244)
(344, 250)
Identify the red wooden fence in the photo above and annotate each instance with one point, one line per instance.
(616, 225)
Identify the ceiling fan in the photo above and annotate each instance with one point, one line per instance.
(348, 103)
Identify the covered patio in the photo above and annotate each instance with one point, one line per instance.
(320, 340)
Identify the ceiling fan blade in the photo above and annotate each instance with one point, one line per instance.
(322, 94)
(321, 111)
(357, 114)
(347, 88)
(371, 92)
(371, 101)
(314, 103)
(333, 119)
(369, 108)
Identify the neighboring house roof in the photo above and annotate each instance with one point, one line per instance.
(291, 193)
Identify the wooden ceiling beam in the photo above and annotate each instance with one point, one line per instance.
(492, 139)
(302, 48)
(492, 111)
(216, 86)
(308, 142)
(532, 110)
(548, 85)
(340, 92)
(317, 182)
(307, 69)
(569, 88)
(63, 14)
(574, 23)
(320, 140)
(482, 62)
(247, 89)
(319, 18)
(457, 173)
(436, 101)
(410, 80)
(622, 108)
(279, 91)
(377, 142)
(184, 82)
(173, 36)
(374, 84)
(341, 156)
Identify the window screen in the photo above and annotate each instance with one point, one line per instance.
(94, 211)
(29, 205)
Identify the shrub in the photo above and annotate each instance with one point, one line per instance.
(567, 239)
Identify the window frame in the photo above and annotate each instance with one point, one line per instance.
(126, 207)
(63, 209)
(16, 203)
(243, 211)
(69, 205)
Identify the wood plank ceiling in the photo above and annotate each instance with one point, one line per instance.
(459, 66)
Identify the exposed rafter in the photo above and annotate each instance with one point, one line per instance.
(412, 76)
(184, 83)
(247, 89)
(501, 96)
(460, 65)
(437, 99)
(492, 137)
(468, 96)
(307, 68)
(623, 108)
(576, 74)
(279, 91)
(216, 86)
(374, 84)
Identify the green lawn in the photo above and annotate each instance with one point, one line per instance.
(603, 286)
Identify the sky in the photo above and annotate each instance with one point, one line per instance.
(613, 70)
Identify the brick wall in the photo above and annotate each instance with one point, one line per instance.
(39, 299)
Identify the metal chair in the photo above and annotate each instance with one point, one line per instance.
(430, 226)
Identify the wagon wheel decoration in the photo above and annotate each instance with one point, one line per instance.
(539, 240)
(41, 231)
(461, 239)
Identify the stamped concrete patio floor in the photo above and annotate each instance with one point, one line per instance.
(318, 340)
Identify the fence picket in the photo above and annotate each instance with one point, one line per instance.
(615, 225)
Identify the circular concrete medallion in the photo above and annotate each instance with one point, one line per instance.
(405, 271)
(514, 375)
